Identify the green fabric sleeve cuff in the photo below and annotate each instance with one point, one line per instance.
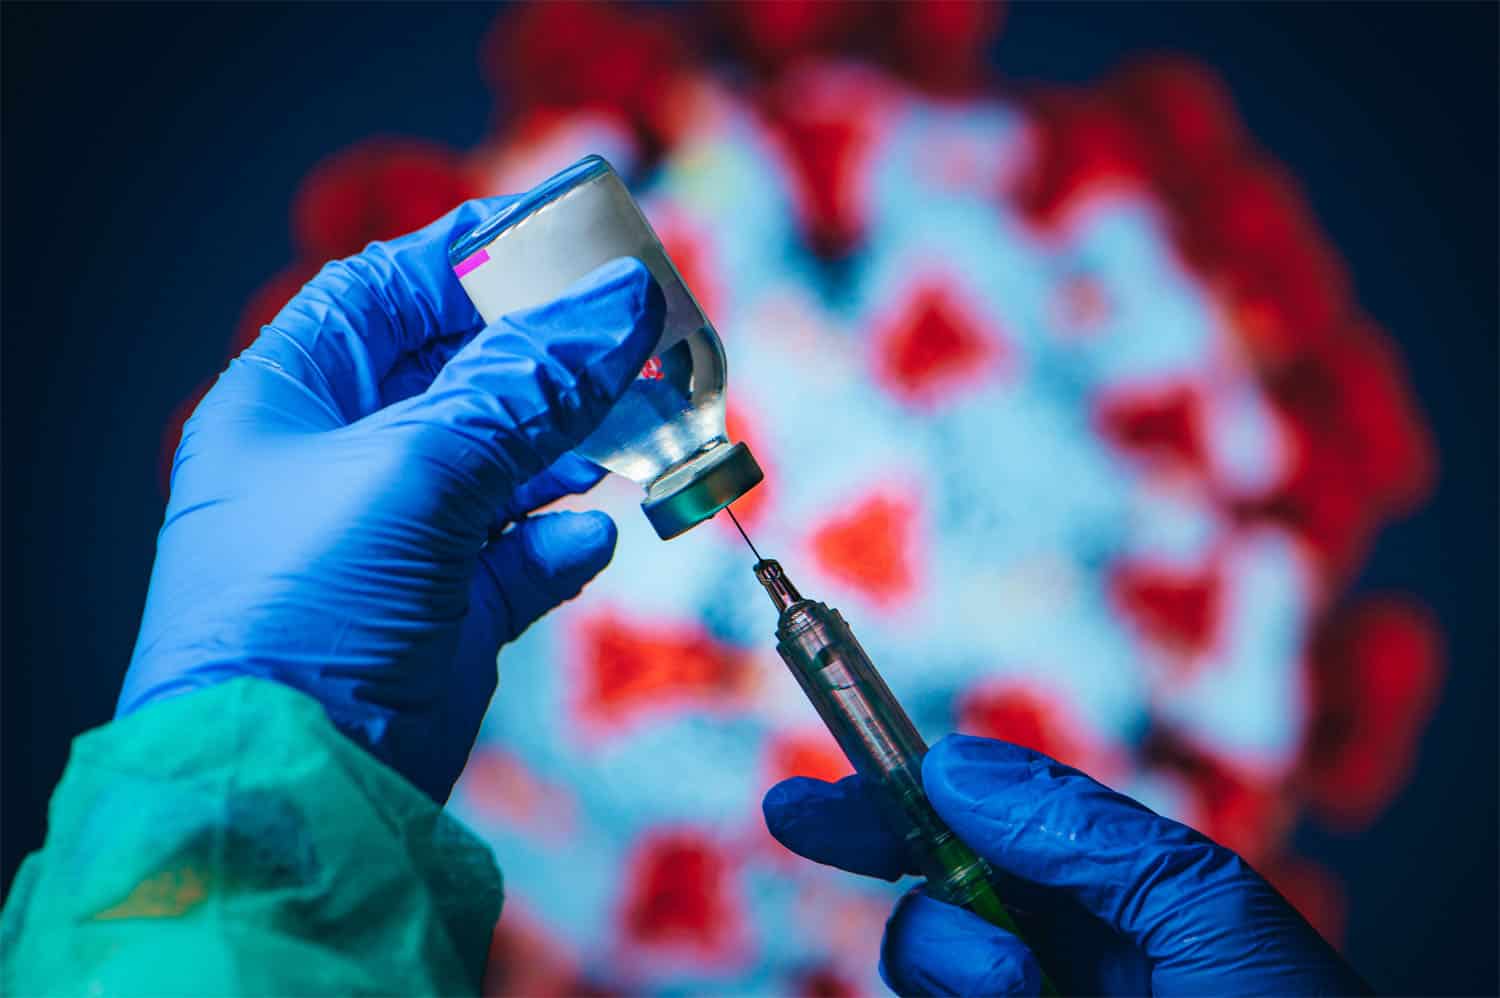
(232, 840)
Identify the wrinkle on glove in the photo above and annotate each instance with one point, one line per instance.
(351, 503)
(232, 842)
(1111, 897)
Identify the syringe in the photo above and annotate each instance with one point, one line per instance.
(880, 742)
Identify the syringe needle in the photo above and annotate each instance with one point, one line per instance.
(743, 534)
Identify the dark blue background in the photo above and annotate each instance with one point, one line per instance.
(150, 154)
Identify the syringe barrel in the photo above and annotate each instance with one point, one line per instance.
(880, 742)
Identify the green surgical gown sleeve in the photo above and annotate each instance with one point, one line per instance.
(231, 841)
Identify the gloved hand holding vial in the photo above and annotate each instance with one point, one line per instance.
(666, 433)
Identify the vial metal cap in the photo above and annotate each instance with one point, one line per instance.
(684, 498)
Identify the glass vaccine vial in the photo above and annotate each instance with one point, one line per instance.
(666, 433)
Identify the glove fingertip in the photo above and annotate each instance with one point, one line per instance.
(836, 824)
(599, 534)
(784, 799)
(545, 561)
(571, 547)
(930, 947)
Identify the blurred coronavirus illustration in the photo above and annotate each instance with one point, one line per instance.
(1063, 399)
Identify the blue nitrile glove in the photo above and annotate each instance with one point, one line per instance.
(338, 497)
(1112, 898)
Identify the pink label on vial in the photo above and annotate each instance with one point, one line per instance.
(470, 263)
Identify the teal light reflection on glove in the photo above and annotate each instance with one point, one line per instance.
(348, 512)
(1112, 898)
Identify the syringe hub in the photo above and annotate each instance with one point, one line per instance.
(777, 585)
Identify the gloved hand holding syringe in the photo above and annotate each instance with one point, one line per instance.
(879, 740)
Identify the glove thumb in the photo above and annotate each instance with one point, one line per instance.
(533, 384)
